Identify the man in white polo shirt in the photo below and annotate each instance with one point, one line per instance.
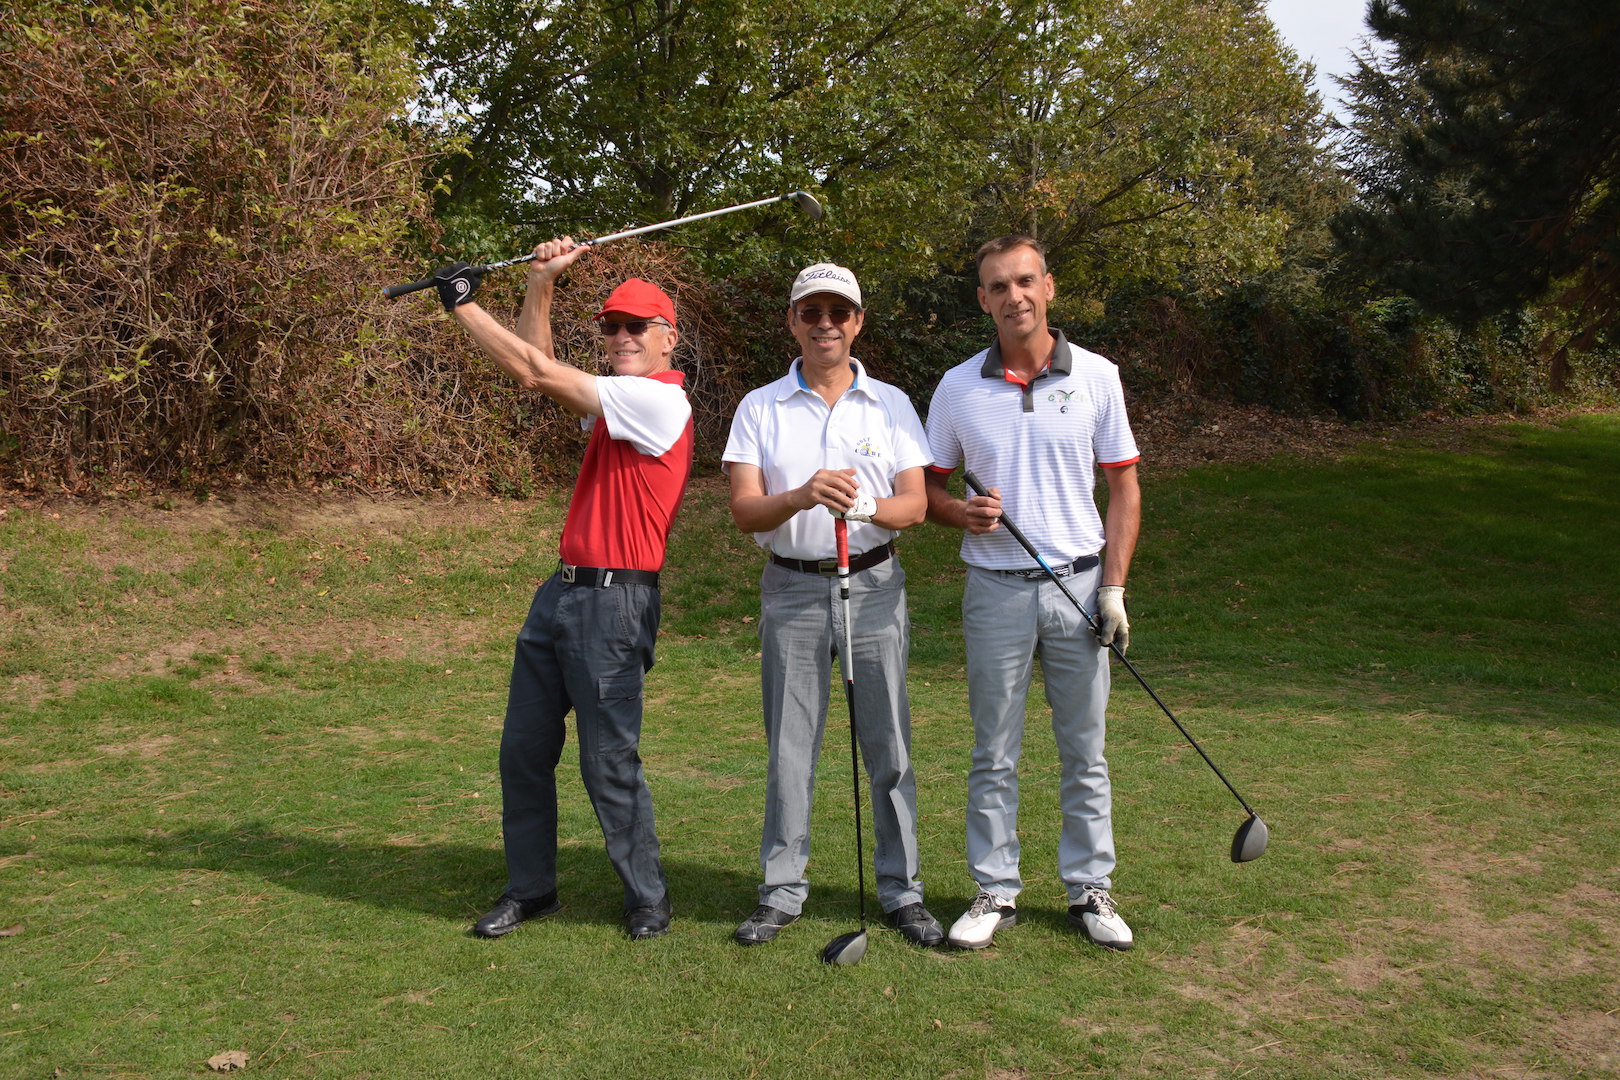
(1033, 417)
(829, 440)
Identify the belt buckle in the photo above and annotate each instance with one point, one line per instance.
(827, 567)
(568, 570)
(1063, 571)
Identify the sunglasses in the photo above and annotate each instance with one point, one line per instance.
(839, 315)
(637, 327)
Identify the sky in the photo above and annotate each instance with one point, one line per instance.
(1323, 32)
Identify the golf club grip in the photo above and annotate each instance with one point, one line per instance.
(394, 291)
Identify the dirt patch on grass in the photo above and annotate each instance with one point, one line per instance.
(146, 746)
(387, 517)
(1466, 920)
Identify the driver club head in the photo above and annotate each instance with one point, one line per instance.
(1250, 841)
(806, 203)
(845, 949)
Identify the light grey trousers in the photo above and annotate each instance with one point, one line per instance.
(801, 628)
(1006, 621)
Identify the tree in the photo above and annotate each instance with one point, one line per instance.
(1485, 142)
(589, 116)
(1155, 141)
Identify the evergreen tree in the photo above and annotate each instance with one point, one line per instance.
(1486, 144)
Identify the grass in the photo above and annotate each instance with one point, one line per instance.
(248, 797)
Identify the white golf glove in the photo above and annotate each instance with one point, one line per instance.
(1113, 628)
(865, 506)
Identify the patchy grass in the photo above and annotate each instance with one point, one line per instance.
(248, 796)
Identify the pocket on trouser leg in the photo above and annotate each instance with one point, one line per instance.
(617, 723)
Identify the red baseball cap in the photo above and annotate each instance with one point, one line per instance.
(640, 298)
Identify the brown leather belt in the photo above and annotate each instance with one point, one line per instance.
(829, 567)
(601, 576)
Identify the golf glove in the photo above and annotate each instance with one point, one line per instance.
(865, 506)
(457, 282)
(1113, 628)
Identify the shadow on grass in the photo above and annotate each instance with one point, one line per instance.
(454, 881)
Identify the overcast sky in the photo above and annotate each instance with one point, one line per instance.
(1323, 32)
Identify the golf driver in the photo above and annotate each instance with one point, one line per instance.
(849, 948)
(1252, 835)
(803, 200)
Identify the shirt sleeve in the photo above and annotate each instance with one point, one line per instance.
(648, 414)
(943, 445)
(742, 445)
(910, 440)
(1114, 442)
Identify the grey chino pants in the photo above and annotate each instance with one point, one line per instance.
(585, 649)
(1006, 621)
(801, 628)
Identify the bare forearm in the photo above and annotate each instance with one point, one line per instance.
(532, 369)
(534, 322)
(943, 507)
(901, 511)
(762, 513)
(1123, 524)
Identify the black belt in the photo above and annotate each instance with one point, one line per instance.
(829, 567)
(601, 577)
(1079, 566)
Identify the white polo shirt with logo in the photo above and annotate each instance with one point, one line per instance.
(1040, 444)
(788, 431)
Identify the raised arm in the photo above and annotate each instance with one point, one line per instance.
(531, 367)
(550, 260)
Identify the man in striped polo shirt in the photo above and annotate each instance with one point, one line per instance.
(588, 640)
(1034, 417)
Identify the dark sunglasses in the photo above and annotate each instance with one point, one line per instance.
(839, 315)
(637, 327)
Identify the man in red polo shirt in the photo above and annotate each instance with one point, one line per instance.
(588, 640)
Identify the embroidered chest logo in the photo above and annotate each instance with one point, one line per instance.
(1061, 398)
(866, 448)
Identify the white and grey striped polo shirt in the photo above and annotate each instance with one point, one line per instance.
(1039, 444)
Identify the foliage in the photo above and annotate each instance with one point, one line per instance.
(586, 117)
(1485, 139)
(199, 200)
(1152, 142)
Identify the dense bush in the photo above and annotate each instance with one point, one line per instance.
(194, 195)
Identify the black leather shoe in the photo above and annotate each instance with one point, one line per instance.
(762, 925)
(648, 921)
(916, 925)
(509, 913)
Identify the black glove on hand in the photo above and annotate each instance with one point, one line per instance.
(456, 283)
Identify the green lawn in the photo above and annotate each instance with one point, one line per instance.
(249, 800)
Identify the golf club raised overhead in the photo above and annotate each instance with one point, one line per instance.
(802, 199)
(1252, 836)
(849, 948)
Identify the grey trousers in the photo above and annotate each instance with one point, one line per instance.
(1006, 621)
(801, 628)
(584, 649)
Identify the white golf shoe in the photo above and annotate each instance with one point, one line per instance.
(979, 924)
(1093, 914)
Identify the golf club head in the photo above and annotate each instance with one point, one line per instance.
(806, 203)
(845, 949)
(1250, 841)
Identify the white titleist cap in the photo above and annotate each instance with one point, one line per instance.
(825, 278)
